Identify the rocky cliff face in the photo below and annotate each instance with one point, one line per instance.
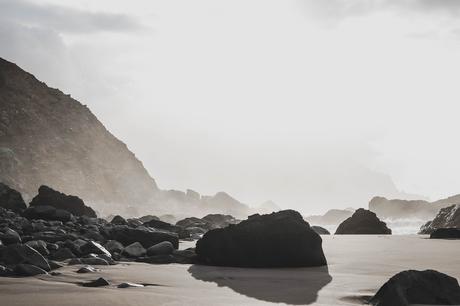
(447, 217)
(398, 209)
(46, 137)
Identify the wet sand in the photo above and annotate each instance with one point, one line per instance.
(358, 266)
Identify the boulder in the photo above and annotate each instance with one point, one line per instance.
(147, 237)
(86, 269)
(47, 212)
(363, 222)
(418, 287)
(50, 197)
(281, 239)
(219, 220)
(130, 285)
(11, 199)
(95, 261)
(39, 245)
(162, 248)
(113, 246)
(95, 248)
(28, 270)
(157, 224)
(148, 218)
(119, 220)
(320, 230)
(23, 254)
(10, 236)
(62, 254)
(134, 250)
(446, 233)
(448, 217)
(194, 222)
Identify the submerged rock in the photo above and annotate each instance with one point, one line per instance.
(130, 285)
(418, 287)
(363, 222)
(281, 239)
(100, 282)
(87, 269)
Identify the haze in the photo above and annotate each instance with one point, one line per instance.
(312, 104)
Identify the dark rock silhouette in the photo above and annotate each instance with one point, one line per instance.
(11, 199)
(281, 239)
(418, 287)
(73, 204)
(448, 217)
(446, 233)
(320, 230)
(278, 285)
(363, 222)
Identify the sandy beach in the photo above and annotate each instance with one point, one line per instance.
(358, 266)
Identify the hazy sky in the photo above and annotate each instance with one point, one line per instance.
(310, 103)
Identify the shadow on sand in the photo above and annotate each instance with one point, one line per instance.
(296, 286)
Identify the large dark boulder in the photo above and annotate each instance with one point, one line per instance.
(24, 254)
(448, 217)
(11, 199)
(157, 224)
(418, 287)
(147, 237)
(73, 204)
(46, 212)
(363, 222)
(281, 239)
(446, 233)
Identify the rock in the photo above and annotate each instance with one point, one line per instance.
(54, 265)
(181, 232)
(320, 230)
(363, 222)
(5, 272)
(162, 248)
(148, 218)
(46, 212)
(11, 199)
(113, 246)
(219, 220)
(418, 287)
(281, 239)
(24, 254)
(74, 261)
(134, 250)
(118, 220)
(100, 282)
(95, 261)
(145, 236)
(10, 236)
(158, 259)
(448, 217)
(194, 222)
(445, 233)
(95, 248)
(62, 254)
(130, 285)
(50, 197)
(28, 270)
(39, 245)
(87, 269)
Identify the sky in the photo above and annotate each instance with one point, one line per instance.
(312, 104)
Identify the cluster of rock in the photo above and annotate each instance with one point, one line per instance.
(281, 239)
(363, 222)
(57, 229)
(447, 218)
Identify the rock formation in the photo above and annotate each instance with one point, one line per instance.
(448, 217)
(363, 222)
(331, 217)
(281, 239)
(427, 287)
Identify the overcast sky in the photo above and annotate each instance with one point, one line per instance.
(313, 104)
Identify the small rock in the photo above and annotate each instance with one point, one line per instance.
(93, 247)
(100, 282)
(87, 269)
(54, 265)
(130, 285)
